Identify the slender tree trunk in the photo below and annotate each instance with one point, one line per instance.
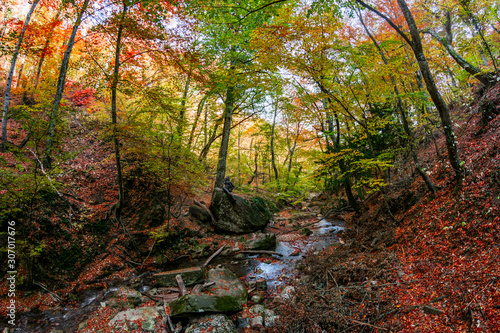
(485, 78)
(256, 168)
(44, 53)
(11, 75)
(444, 113)
(196, 119)
(114, 120)
(478, 30)
(440, 104)
(273, 157)
(402, 113)
(239, 155)
(182, 112)
(47, 158)
(208, 142)
(226, 131)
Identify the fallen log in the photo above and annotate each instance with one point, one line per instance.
(261, 252)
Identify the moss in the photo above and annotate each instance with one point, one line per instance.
(260, 204)
(227, 303)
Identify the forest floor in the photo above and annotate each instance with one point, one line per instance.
(413, 261)
(409, 262)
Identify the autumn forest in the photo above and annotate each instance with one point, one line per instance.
(250, 166)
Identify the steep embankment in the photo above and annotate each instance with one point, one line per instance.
(431, 264)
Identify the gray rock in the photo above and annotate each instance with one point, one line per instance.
(287, 295)
(226, 284)
(257, 299)
(262, 241)
(242, 322)
(202, 214)
(240, 216)
(147, 316)
(258, 320)
(259, 284)
(126, 298)
(199, 303)
(190, 276)
(216, 323)
(271, 321)
(227, 294)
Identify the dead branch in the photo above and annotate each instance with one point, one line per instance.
(56, 297)
(182, 287)
(213, 256)
(261, 252)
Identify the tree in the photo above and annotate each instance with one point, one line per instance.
(444, 113)
(47, 158)
(11, 75)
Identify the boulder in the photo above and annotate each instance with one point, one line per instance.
(201, 213)
(262, 241)
(227, 294)
(191, 304)
(126, 298)
(190, 276)
(226, 284)
(216, 323)
(287, 296)
(240, 216)
(144, 317)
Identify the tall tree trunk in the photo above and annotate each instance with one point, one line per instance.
(444, 113)
(239, 155)
(44, 53)
(335, 138)
(182, 112)
(11, 75)
(401, 109)
(208, 142)
(47, 158)
(273, 157)
(114, 121)
(256, 168)
(226, 131)
(196, 119)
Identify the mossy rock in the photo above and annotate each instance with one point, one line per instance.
(190, 276)
(191, 304)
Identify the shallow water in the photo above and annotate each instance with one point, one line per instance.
(277, 271)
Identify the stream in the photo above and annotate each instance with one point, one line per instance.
(276, 271)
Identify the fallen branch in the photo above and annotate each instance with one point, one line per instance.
(148, 253)
(213, 220)
(199, 287)
(56, 297)
(213, 256)
(366, 324)
(182, 287)
(261, 252)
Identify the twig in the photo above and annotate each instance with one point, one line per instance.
(167, 316)
(213, 256)
(366, 324)
(56, 297)
(199, 287)
(148, 253)
(45, 174)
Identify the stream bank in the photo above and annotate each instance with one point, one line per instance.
(265, 276)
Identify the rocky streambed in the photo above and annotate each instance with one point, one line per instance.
(236, 291)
